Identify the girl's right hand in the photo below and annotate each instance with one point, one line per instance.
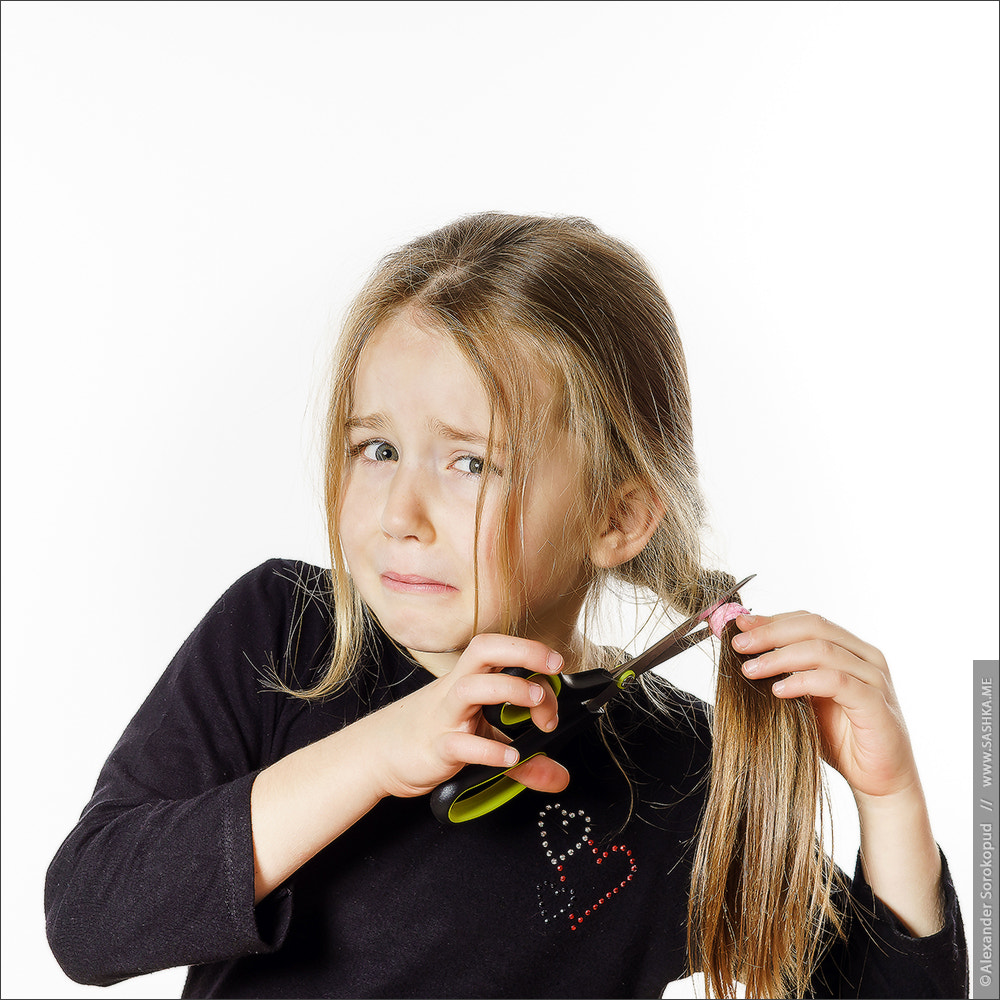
(430, 735)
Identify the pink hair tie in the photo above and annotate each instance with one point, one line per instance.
(720, 616)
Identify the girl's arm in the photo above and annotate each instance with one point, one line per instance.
(901, 860)
(865, 739)
(309, 798)
(160, 869)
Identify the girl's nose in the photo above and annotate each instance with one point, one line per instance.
(405, 512)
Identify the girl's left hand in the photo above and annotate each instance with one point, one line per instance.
(864, 736)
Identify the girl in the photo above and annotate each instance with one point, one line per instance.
(509, 432)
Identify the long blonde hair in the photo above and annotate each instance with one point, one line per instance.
(522, 294)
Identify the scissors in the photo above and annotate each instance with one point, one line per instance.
(478, 790)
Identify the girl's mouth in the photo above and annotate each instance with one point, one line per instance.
(406, 583)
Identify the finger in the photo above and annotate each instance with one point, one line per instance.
(545, 714)
(763, 632)
(490, 652)
(542, 774)
(813, 654)
(863, 704)
(458, 749)
(538, 772)
(471, 692)
(534, 693)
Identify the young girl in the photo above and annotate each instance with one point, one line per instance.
(509, 433)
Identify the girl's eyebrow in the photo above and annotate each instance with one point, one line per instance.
(369, 422)
(379, 422)
(451, 433)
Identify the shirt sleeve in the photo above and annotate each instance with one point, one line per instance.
(879, 958)
(159, 870)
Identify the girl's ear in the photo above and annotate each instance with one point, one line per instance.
(632, 516)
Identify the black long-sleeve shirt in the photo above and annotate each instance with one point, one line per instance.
(575, 895)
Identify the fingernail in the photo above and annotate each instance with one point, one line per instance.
(551, 724)
(742, 641)
(778, 686)
(536, 693)
(751, 667)
(553, 661)
(510, 756)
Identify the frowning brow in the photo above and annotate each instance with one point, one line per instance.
(379, 422)
(368, 422)
(451, 433)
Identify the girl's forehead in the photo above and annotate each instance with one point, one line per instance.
(410, 373)
(408, 355)
(399, 348)
(405, 335)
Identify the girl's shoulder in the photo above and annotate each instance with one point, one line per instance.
(281, 584)
(276, 618)
(284, 610)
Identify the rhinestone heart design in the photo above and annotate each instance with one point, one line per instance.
(565, 835)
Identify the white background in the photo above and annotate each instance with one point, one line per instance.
(192, 193)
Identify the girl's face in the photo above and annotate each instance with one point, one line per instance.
(417, 435)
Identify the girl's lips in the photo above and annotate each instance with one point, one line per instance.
(405, 583)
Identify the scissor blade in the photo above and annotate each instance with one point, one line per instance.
(679, 640)
(663, 650)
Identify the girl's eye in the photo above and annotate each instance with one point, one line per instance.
(470, 464)
(379, 451)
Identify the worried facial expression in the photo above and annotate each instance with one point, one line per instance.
(417, 437)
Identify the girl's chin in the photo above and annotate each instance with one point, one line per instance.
(438, 646)
(425, 631)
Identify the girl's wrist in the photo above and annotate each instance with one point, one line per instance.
(364, 749)
(900, 857)
(907, 798)
(898, 821)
